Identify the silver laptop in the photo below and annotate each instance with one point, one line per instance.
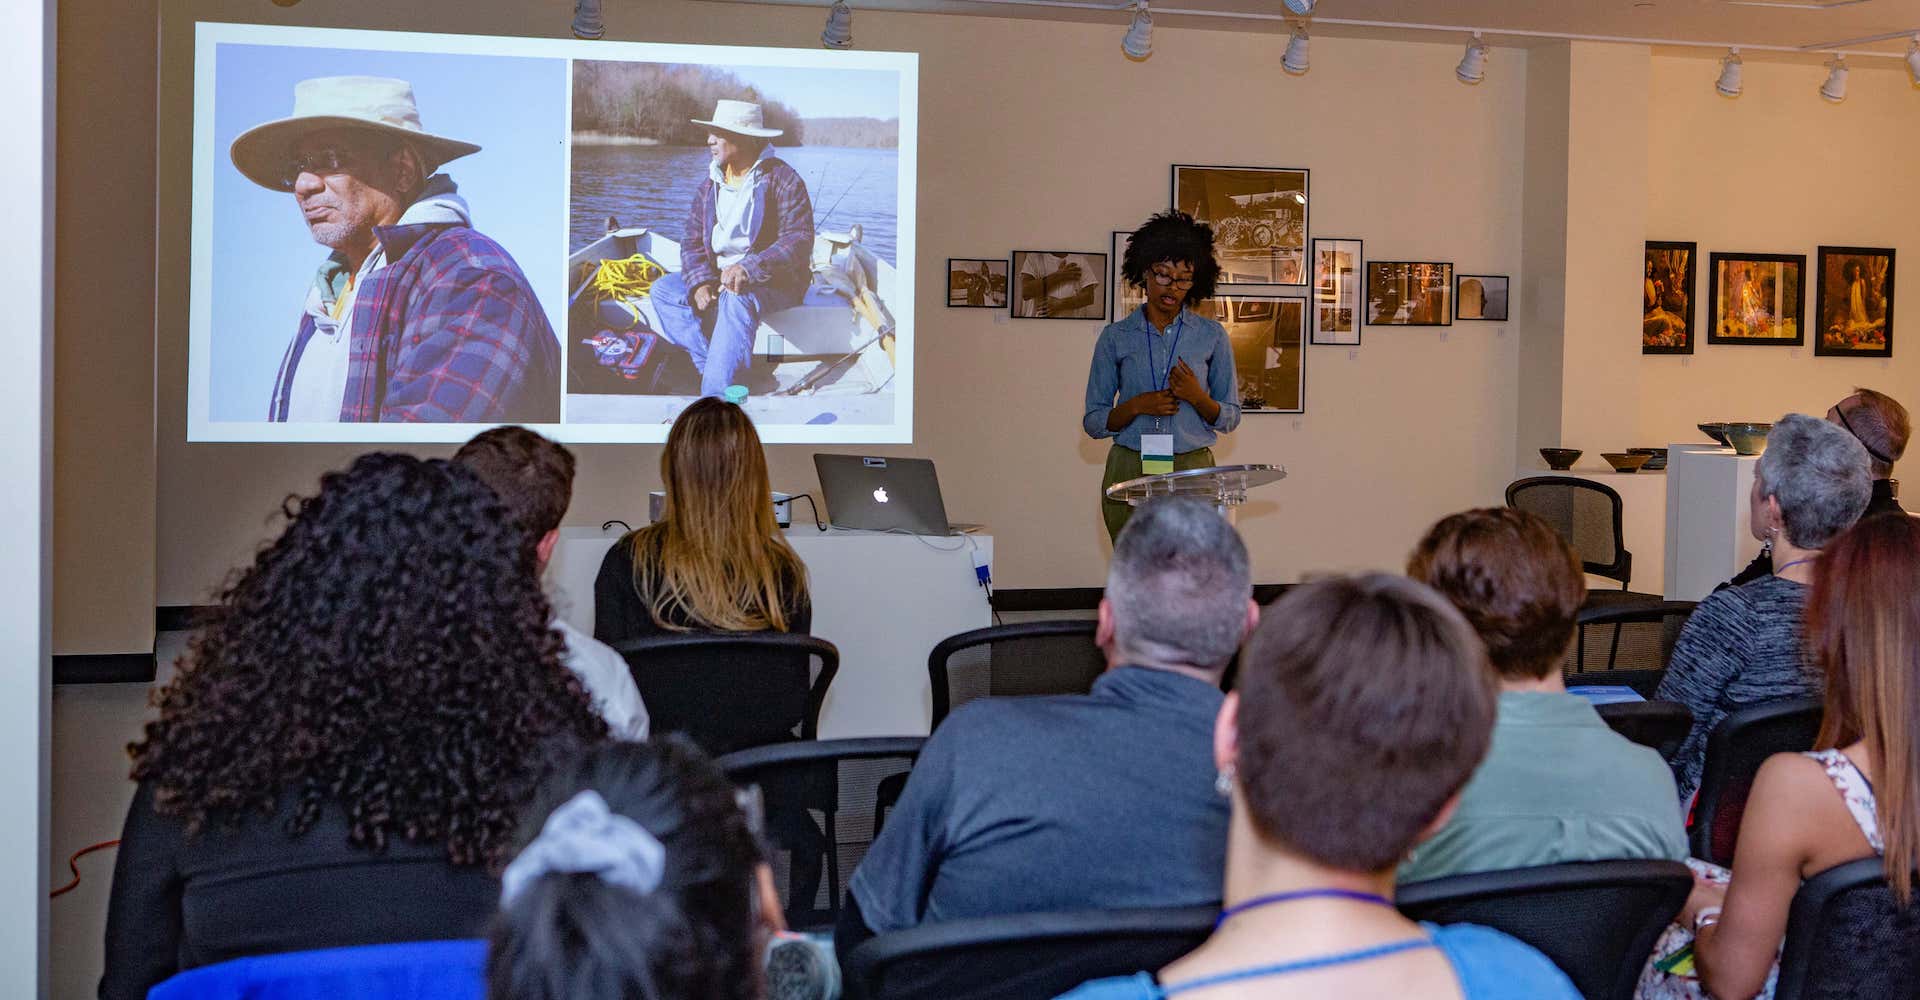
(882, 494)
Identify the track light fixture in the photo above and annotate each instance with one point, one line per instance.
(1473, 66)
(1295, 61)
(586, 19)
(1138, 44)
(1835, 89)
(1729, 84)
(1913, 61)
(839, 31)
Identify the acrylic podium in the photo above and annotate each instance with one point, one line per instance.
(1225, 486)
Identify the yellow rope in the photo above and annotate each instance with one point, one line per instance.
(626, 280)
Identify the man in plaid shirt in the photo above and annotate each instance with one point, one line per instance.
(746, 251)
(414, 316)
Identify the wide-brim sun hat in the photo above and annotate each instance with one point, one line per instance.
(371, 103)
(740, 118)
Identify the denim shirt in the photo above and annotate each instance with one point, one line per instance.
(1131, 358)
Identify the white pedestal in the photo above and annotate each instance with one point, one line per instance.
(1708, 539)
(884, 599)
(1643, 521)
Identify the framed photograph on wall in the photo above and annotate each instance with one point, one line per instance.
(1125, 297)
(1668, 310)
(1259, 219)
(1337, 272)
(1853, 312)
(1269, 363)
(1058, 284)
(976, 283)
(1480, 297)
(1409, 293)
(1757, 298)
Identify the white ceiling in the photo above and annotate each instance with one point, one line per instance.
(1882, 27)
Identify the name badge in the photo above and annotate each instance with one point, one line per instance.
(1156, 454)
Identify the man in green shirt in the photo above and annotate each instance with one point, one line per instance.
(1557, 785)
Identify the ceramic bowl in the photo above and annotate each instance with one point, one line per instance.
(1623, 462)
(1748, 439)
(1716, 431)
(1656, 457)
(1560, 459)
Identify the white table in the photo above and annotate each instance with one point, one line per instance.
(1643, 521)
(1709, 539)
(883, 599)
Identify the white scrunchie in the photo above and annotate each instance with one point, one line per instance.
(585, 837)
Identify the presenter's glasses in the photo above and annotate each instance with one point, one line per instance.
(1167, 279)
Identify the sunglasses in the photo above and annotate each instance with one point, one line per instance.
(320, 162)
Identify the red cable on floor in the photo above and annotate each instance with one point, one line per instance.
(73, 865)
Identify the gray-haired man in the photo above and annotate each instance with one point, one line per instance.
(1078, 801)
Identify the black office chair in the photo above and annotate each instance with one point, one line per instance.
(1662, 725)
(1848, 937)
(1596, 920)
(1735, 750)
(1630, 635)
(1029, 956)
(823, 802)
(1586, 514)
(1025, 658)
(729, 691)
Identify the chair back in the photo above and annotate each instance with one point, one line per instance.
(1596, 920)
(1662, 725)
(1735, 750)
(1024, 658)
(1585, 513)
(733, 690)
(1028, 956)
(824, 802)
(1848, 937)
(1628, 635)
(411, 970)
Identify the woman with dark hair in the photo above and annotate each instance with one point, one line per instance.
(637, 878)
(352, 734)
(1162, 382)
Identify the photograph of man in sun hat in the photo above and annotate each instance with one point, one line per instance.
(414, 314)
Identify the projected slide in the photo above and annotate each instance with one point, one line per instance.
(406, 237)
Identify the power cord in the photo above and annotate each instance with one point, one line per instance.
(73, 865)
(808, 497)
(604, 525)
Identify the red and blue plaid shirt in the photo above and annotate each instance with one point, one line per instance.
(782, 253)
(449, 332)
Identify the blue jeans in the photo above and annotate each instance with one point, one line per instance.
(720, 342)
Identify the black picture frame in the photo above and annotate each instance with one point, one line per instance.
(972, 272)
(1259, 237)
(1799, 264)
(1095, 265)
(1391, 271)
(1827, 343)
(1488, 297)
(1323, 294)
(1665, 299)
(1243, 317)
(1122, 298)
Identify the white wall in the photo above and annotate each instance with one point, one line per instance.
(26, 285)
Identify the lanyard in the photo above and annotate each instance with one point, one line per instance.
(1161, 381)
(1777, 570)
(1277, 898)
(1302, 965)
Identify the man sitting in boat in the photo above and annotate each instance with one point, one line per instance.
(745, 252)
(414, 316)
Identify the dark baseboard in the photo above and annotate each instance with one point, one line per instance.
(1088, 598)
(104, 668)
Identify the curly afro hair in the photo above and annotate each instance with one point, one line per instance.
(389, 654)
(1177, 237)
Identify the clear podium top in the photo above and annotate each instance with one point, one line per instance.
(1222, 484)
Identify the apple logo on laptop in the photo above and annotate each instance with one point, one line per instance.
(880, 495)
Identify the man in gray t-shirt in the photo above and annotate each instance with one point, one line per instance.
(1081, 801)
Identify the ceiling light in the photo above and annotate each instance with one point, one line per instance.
(1300, 7)
(1139, 41)
(1729, 84)
(839, 33)
(1913, 61)
(1835, 89)
(586, 19)
(1473, 66)
(1295, 61)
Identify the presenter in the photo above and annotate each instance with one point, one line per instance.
(1162, 383)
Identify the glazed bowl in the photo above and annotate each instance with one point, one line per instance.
(1748, 439)
(1560, 459)
(1656, 457)
(1624, 462)
(1716, 431)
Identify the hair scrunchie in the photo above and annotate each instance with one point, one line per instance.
(584, 837)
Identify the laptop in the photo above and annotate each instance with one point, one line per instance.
(882, 494)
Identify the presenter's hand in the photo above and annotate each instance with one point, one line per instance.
(1186, 386)
(1153, 404)
(702, 298)
(734, 279)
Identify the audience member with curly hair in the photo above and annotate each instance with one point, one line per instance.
(345, 753)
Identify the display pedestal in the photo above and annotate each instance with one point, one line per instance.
(1708, 535)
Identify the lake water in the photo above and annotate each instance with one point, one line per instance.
(653, 186)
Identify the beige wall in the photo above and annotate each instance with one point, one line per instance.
(1403, 156)
(1780, 171)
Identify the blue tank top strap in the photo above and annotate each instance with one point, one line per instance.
(1301, 965)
